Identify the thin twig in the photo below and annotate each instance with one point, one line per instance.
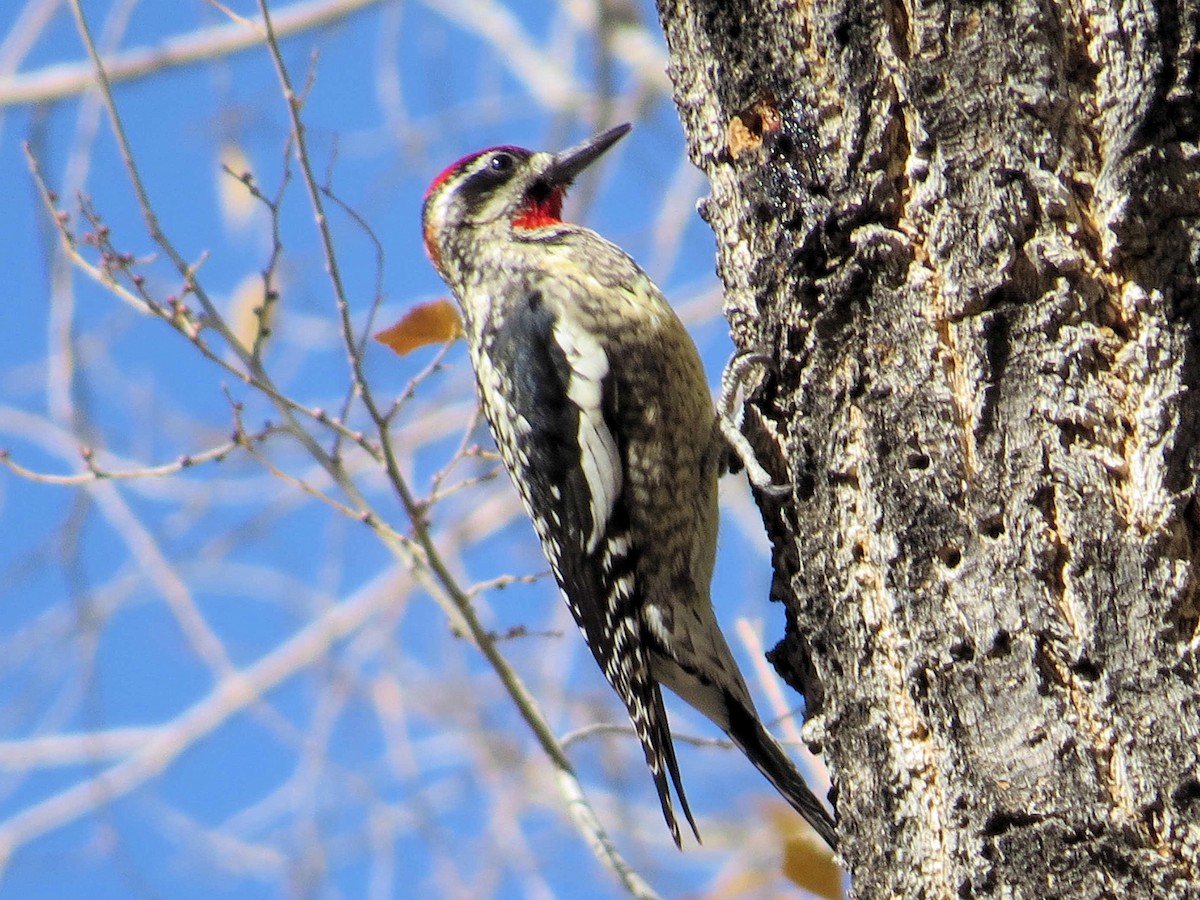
(182, 320)
(577, 803)
(63, 80)
(234, 692)
(603, 728)
(95, 472)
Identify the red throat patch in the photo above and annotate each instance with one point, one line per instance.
(537, 213)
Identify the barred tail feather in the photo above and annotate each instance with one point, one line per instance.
(653, 730)
(769, 758)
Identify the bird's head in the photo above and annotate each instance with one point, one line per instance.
(505, 187)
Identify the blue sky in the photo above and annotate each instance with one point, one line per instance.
(389, 762)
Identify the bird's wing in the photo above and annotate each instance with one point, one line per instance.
(560, 442)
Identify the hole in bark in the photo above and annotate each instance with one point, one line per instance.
(919, 683)
(847, 478)
(963, 651)
(997, 348)
(1152, 817)
(1048, 661)
(992, 526)
(1086, 669)
(918, 461)
(1001, 644)
(1187, 793)
(1001, 822)
(806, 486)
(932, 86)
(1070, 434)
(950, 557)
(1081, 835)
(795, 222)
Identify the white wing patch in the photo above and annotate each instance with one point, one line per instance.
(597, 449)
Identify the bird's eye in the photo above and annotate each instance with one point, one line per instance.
(501, 163)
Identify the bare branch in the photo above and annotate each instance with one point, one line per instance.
(235, 691)
(581, 811)
(69, 79)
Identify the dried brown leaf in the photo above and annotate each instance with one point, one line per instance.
(428, 323)
(807, 862)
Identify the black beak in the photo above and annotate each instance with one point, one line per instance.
(570, 162)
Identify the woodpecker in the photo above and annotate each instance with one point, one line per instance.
(598, 402)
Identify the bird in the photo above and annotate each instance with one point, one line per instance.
(599, 405)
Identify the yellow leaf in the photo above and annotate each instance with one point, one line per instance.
(807, 862)
(429, 323)
(249, 312)
(236, 202)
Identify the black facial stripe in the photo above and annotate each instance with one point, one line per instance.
(480, 185)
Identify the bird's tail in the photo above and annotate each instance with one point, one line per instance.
(769, 758)
(649, 717)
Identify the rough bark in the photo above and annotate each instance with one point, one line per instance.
(969, 235)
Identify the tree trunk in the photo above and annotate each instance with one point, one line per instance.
(969, 236)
